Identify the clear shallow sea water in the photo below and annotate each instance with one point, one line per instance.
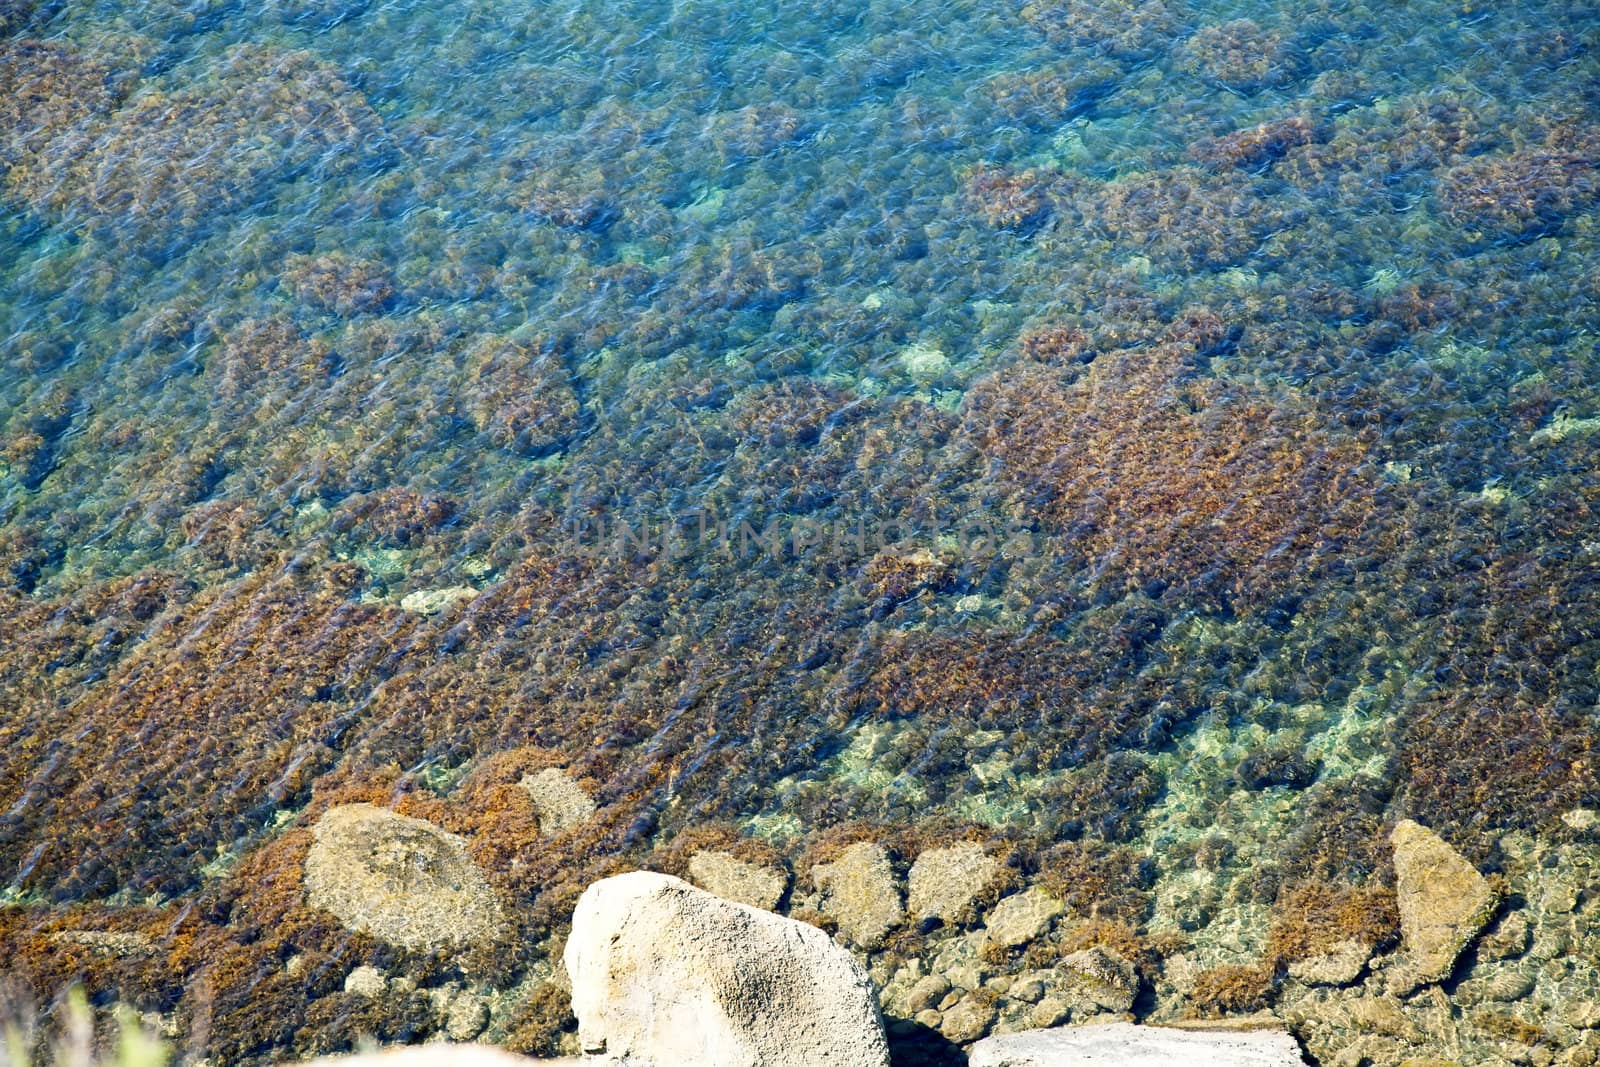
(1097, 430)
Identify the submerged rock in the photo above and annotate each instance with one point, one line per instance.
(924, 361)
(560, 802)
(159, 167)
(926, 992)
(1020, 918)
(861, 893)
(1099, 979)
(400, 879)
(968, 1019)
(367, 982)
(433, 601)
(666, 974)
(946, 882)
(733, 879)
(1127, 1045)
(465, 1017)
(1341, 965)
(1444, 902)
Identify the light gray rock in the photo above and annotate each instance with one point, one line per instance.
(366, 982)
(1444, 902)
(560, 802)
(945, 882)
(1020, 918)
(969, 975)
(434, 601)
(861, 893)
(733, 879)
(1128, 1045)
(400, 879)
(665, 974)
(107, 943)
(1030, 986)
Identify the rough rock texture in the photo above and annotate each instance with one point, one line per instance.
(925, 993)
(861, 894)
(664, 973)
(1341, 966)
(1444, 902)
(465, 1017)
(967, 1020)
(560, 802)
(945, 882)
(1020, 918)
(400, 879)
(367, 982)
(1099, 978)
(738, 881)
(1127, 1045)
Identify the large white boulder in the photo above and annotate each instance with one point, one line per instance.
(668, 975)
(1127, 1045)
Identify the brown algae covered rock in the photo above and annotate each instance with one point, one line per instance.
(159, 166)
(14, 14)
(1099, 979)
(520, 394)
(339, 283)
(1242, 56)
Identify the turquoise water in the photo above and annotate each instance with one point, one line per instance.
(1066, 424)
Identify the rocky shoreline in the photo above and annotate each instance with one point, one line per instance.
(663, 973)
(1448, 966)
